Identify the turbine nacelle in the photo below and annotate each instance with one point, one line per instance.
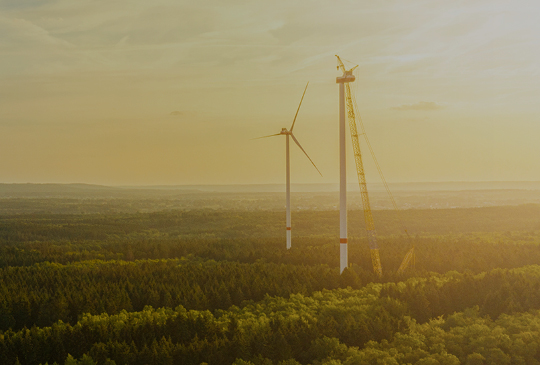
(347, 77)
(285, 131)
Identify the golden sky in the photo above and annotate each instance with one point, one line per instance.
(171, 92)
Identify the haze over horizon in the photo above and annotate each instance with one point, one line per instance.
(171, 93)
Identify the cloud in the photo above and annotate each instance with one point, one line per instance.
(19, 33)
(421, 105)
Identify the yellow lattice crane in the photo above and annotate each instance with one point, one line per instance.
(368, 217)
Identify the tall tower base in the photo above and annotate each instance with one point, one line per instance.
(343, 257)
(288, 238)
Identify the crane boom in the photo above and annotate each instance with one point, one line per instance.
(410, 259)
(368, 217)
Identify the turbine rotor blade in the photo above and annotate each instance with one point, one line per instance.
(297, 110)
(298, 143)
(272, 135)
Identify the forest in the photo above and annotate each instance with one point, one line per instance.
(217, 286)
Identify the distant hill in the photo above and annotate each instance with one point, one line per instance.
(409, 186)
(77, 198)
(53, 188)
(92, 190)
(463, 185)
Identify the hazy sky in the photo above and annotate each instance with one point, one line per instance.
(171, 92)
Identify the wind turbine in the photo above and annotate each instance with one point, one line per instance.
(289, 133)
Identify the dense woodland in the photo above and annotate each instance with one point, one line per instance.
(218, 287)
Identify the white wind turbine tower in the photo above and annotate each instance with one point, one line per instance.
(288, 133)
(343, 241)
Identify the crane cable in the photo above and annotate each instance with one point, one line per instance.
(409, 256)
(368, 217)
